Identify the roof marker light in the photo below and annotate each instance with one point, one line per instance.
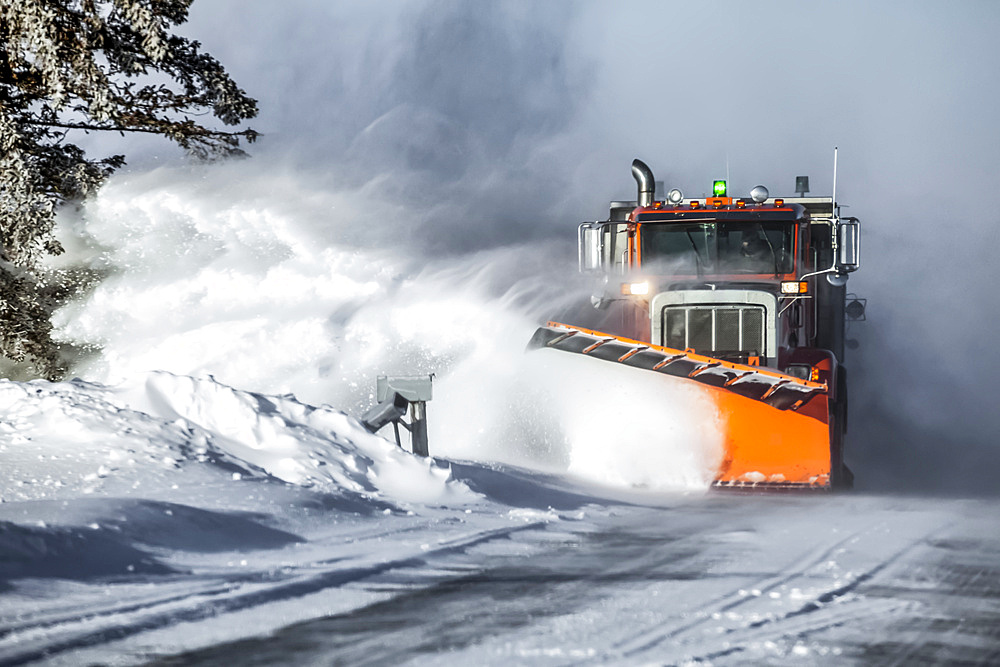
(719, 188)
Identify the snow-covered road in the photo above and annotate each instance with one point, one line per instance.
(838, 580)
(523, 568)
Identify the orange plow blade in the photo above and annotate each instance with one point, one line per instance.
(775, 427)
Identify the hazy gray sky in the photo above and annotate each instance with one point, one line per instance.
(906, 89)
(534, 110)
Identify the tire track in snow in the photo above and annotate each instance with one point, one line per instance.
(815, 615)
(205, 585)
(652, 636)
(54, 620)
(812, 616)
(155, 617)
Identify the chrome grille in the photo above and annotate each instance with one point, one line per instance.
(714, 329)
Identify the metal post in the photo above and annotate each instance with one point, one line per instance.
(418, 428)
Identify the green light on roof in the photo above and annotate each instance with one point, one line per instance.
(719, 188)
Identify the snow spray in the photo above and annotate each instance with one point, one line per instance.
(269, 283)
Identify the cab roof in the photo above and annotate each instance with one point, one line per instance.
(733, 212)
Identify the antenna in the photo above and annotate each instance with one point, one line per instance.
(835, 181)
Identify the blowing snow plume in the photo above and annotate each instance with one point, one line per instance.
(445, 108)
(264, 292)
(601, 422)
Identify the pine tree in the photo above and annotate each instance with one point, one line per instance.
(88, 65)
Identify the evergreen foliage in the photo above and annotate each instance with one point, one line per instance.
(88, 65)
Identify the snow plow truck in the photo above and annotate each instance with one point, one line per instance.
(743, 298)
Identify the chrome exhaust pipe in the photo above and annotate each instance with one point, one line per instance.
(643, 176)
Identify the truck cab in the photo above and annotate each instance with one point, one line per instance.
(756, 280)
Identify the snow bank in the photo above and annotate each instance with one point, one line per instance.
(77, 438)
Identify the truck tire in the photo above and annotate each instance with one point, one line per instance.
(841, 476)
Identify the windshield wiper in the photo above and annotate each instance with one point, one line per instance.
(774, 255)
(697, 255)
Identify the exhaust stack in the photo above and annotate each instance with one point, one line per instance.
(643, 176)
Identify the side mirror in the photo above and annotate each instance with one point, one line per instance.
(849, 244)
(591, 240)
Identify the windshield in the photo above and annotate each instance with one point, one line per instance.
(717, 247)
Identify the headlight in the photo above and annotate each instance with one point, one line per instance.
(799, 371)
(635, 289)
